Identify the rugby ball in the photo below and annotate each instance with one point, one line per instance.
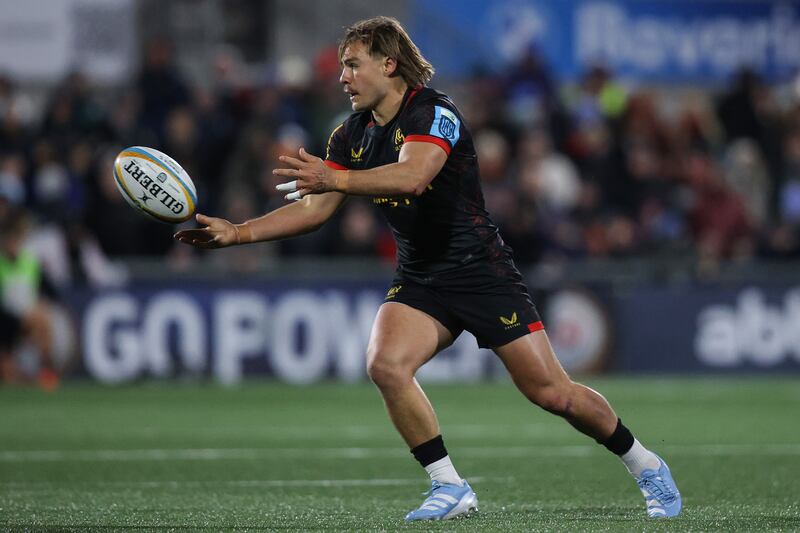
(154, 183)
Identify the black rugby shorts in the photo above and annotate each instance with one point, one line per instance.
(495, 309)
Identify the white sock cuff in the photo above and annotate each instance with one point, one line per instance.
(639, 458)
(443, 471)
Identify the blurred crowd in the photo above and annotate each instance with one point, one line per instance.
(588, 169)
(601, 171)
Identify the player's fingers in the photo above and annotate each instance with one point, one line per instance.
(193, 236)
(204, 244)
(289, 186)
(203, 219)
(308, 158)
(296, 195)
(286, 172)
(302, 193)
(291, 160)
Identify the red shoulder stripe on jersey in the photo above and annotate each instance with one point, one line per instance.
(414, 92)
(535, 326)
(444, 145)
(335, 166)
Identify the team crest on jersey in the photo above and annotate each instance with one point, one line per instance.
(399, 139)
(355, 156)
(446, 125)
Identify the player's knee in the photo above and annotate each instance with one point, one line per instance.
(552, 398)
(386, 373)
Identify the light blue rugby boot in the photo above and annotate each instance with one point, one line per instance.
(660, 492)
(446, 501)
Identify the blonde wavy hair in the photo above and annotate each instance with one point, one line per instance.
(384, 36)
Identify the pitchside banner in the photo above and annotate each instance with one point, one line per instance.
(652, 40)
(708, 328)
(299, 333)
(295, 332)
(307, 332)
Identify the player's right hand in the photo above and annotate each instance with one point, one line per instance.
(218, 233)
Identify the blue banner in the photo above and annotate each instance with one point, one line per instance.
(673, 41)
(708, 329)
(295, 332)
(305, 332)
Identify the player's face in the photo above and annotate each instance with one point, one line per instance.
(363, 76)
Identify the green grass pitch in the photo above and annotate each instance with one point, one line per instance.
(266, 456)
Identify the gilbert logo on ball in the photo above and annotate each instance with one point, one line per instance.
(154, 183)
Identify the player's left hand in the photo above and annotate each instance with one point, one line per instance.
(310, 176)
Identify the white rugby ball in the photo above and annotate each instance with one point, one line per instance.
(154, 183)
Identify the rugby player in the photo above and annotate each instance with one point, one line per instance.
(407, 147)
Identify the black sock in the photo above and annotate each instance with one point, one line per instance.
(430, 451)
(620, 442)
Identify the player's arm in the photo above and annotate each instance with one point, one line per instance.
(417, 165)
(290, 220)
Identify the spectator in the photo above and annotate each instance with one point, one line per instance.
(359, 230)
(24, 312)
(530, 96)
(746, 173)
(737, 108)
(161, 86)
(499, 190)
(17, 114)
(718, 218)
(598, 97)
(547, 178)
(12, 182)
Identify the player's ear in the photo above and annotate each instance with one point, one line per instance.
(389, 66)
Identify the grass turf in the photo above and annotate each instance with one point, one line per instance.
(267, 456)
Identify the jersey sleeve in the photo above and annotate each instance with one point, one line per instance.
(336, 150)
(434, 123)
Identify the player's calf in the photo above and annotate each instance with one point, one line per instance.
(556, 399)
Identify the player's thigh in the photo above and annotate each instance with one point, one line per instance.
(532, 363)
(405, 337)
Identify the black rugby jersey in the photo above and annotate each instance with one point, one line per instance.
(445, 232)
